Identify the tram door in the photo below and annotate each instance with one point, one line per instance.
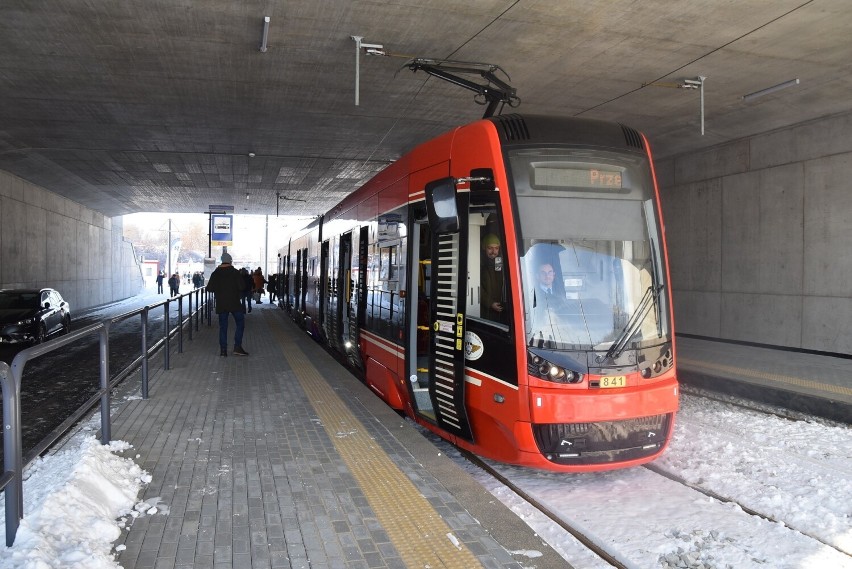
(297, 284)
(351, 285)
(303, 280)
(446, 233)
(328, 296)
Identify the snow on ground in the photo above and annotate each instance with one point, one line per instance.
(73, 502)
(799, 473)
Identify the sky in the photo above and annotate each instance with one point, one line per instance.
(251, 233)
(798, 473)
(250, 227)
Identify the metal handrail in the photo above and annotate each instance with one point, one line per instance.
(11, 479)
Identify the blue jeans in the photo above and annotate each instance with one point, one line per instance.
(240, 319)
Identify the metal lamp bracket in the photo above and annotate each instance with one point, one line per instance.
(697, 83)
(370, 49)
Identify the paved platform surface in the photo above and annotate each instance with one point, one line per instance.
(806, 382)
(283, 459)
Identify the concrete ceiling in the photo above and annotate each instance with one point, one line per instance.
(155, 105)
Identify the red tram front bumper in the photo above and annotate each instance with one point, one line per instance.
(598, 429)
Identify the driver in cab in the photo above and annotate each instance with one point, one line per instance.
(547, 293)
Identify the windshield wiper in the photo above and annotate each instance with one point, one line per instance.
(650, 298)
(654, 279)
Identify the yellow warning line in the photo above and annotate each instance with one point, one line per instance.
(738, 371)
(416, 530)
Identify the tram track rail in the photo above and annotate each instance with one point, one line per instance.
(574, 531)
(577, 533)
(610, 553)
(732, 437)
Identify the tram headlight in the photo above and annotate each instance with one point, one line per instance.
(548, 371)
(659, 366)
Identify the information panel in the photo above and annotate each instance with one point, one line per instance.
(222, 235)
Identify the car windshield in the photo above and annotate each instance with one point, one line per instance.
(591, 260)
(18, 301)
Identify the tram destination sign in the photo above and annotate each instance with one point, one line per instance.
(548, 177)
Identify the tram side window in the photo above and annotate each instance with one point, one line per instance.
(380, 289)
(385, 281)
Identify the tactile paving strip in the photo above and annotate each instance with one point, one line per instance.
(420, 535)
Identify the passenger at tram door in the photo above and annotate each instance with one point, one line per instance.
(492, 301)
(272, 288)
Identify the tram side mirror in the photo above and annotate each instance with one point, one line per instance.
(441, 206)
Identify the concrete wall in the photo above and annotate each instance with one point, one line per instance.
(49, 241)
(760, 237)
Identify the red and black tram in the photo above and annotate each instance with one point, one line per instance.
(557, 352)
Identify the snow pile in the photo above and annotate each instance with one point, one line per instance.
(72, 500)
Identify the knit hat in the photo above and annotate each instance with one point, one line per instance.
(226, 258)
(489, 240)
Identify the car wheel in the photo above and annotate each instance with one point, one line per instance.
(66, 324)
(41, 335)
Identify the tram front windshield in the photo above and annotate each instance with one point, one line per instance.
(592, 265)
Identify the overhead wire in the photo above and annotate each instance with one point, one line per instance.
(422, 85)
(699, 58)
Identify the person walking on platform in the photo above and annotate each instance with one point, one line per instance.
(160, 277)
(272, 288)
(248, 282)
(174, 285)
(259, 281)
(227, 286)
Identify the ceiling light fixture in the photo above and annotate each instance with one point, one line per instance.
(768, 90)
(265, 34)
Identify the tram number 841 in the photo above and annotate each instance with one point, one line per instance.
(611, 381)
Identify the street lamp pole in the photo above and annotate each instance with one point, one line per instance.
(210, 215)
(169, 248)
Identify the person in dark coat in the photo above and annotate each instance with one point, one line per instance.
(174, 285)
(249, 285)
(227, 285)
(272, 288)
(160, 278)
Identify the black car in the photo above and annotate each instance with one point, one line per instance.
(31, 315)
